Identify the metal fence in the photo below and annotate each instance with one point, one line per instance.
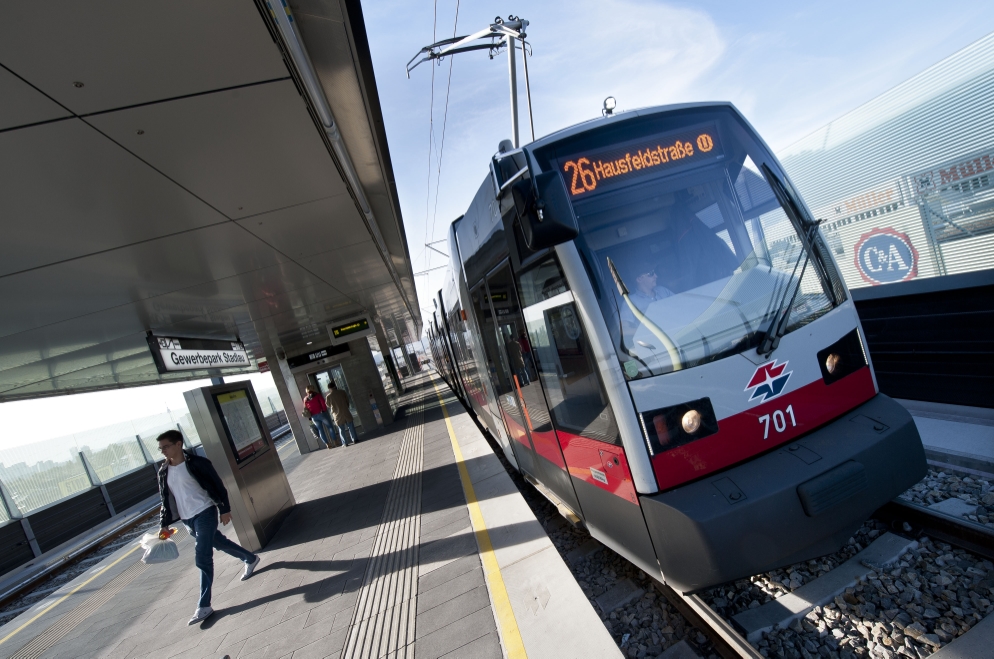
(55, 490)
(38, 475)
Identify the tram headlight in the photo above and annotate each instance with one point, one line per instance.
(691, 422)
(669, 427)
(842, 358)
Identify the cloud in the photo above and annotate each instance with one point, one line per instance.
(641, 53)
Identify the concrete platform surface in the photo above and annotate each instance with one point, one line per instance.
(954, 435)
(411, 543)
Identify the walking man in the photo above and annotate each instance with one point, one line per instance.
(338, 402)
(192, 491)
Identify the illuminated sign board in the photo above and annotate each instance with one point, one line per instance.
(177, 354)
(320, 355)
(350, 330)
(360, 325)
(598, 170)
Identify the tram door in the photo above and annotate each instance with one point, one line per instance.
(581, 414)
(508, 412)
(518, 376)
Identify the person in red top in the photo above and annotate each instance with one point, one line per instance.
(315, 406)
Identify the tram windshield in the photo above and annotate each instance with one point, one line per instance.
(694, 254)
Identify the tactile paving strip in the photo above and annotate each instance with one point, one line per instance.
(48, 638)
(383, 623)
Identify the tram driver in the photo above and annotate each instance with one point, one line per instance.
(643, 290)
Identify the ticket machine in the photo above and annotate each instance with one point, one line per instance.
(236, 440)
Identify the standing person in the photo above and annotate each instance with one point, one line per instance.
(315, 405)
(191, 491)
(338, 401)
(517, 358)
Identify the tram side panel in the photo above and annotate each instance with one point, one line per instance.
(488, 410)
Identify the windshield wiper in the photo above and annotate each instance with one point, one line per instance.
(781, 315)
(668, 344)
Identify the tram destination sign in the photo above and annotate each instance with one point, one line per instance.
(182, 354)
(350, 330)
(602, 169)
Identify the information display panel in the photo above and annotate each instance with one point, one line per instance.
(241, 423)
(350, 330)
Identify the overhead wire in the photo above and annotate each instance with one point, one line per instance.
(445, 121)
(431, 128)
(438, 148)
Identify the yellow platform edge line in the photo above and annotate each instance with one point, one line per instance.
(510, 634)
(67, 595)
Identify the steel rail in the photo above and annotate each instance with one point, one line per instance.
(727, 640)
(962, 533)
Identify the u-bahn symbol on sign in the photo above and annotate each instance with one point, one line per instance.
(886, 256)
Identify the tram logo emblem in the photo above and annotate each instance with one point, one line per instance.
(768, 381)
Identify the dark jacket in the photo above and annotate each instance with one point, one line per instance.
(206, 476)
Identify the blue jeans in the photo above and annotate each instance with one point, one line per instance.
(350, 426)
(326, 429)
(203, 527)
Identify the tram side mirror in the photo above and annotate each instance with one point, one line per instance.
(544, 211)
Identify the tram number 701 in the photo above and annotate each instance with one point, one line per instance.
(779, 421)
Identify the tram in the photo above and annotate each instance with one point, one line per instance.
(643, 315)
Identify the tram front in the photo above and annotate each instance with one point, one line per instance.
(724, 338)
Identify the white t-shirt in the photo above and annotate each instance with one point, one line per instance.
(191, 499)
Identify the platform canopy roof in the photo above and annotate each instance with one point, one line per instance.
(163, 168)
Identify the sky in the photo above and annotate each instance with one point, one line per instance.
(790, 67)
(30, 421)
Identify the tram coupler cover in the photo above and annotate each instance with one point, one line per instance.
(798, 504)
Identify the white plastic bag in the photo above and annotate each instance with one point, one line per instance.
(158, 551)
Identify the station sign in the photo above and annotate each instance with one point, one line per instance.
(885, 256)
(173, 354)
(350, 330)
(319, 356)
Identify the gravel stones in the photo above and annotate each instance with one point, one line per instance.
(930, 596)
(942, 484)
(935, 604)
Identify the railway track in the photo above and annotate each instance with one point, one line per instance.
(910, 518)
(912, 521)
(903, 517)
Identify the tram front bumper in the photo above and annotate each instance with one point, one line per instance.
(796, 503)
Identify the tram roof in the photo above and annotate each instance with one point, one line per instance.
(160, 170)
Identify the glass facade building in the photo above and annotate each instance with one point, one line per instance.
(905, 182)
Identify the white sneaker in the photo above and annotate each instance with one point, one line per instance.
(250, 567)
(202, 613)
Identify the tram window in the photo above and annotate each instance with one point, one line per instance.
(705, 254)
(563, 356)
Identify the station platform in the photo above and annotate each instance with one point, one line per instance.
(414, 542)
(955, 436)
